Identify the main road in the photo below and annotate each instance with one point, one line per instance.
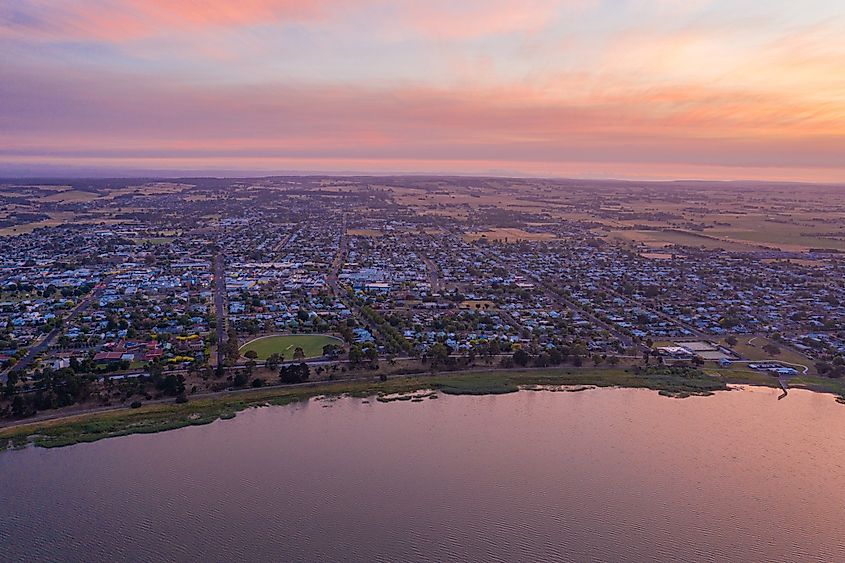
(219, 281)
(338, 291)
(46, 341)
(433, 273)
(282, 244)
(339, 260)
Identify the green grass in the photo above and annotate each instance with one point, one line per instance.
(685, 238)
(754, 351)
(759, 230)
(312, 345)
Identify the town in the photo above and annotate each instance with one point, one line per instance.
(119, 292)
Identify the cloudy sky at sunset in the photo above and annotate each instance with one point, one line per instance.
(582, 88)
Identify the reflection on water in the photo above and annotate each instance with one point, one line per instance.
(609, 474)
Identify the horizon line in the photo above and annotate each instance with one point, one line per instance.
(257, 175)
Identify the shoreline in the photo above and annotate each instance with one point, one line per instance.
(66, 429)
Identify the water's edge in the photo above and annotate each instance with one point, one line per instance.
(160, 417)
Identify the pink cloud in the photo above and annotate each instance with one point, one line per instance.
(201, 13)
(445, 19)
(124, 20)
(114, 117)
(687, 96)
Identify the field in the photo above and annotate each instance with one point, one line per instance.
(751, 348)
(70, 196)
(57, 218)
(477, 304)
(508, 235)
(27, 228)
(364, 233)
(797, 236)
(311, 344)
(798, 261)
(662, 239)
(154, 240)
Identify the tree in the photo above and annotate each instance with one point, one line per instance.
(155, 369)
(231, 348)
(521, 357)
(296, 373)
(332, 350)
(21, 408)
(172, 385)
(11, 381)
(371, 353)
(542, 360)
(771, 349)
(251, 354)
(241, 378)
(298, 353)
(274, 361)
(356, 355)
(439, 355)
(731, 340)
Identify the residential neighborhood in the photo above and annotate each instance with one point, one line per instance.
(416, 275)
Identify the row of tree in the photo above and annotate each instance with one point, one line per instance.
(363, 353)
(394, 341)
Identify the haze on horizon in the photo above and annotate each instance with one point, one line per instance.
(710, 89)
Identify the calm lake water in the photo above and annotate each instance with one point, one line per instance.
(611, 474)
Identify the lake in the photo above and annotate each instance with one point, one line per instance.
(604, 474)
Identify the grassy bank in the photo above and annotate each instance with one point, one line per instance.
(160, 417)
(740, 375)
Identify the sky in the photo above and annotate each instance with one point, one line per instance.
(658, 89)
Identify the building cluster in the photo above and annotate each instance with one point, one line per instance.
(141, 288)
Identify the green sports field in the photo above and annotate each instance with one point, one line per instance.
(312, 345)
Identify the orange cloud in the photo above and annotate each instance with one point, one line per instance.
(132, 119)
(694, 95)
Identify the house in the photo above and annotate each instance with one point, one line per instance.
(675, 352)
(58, 363)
